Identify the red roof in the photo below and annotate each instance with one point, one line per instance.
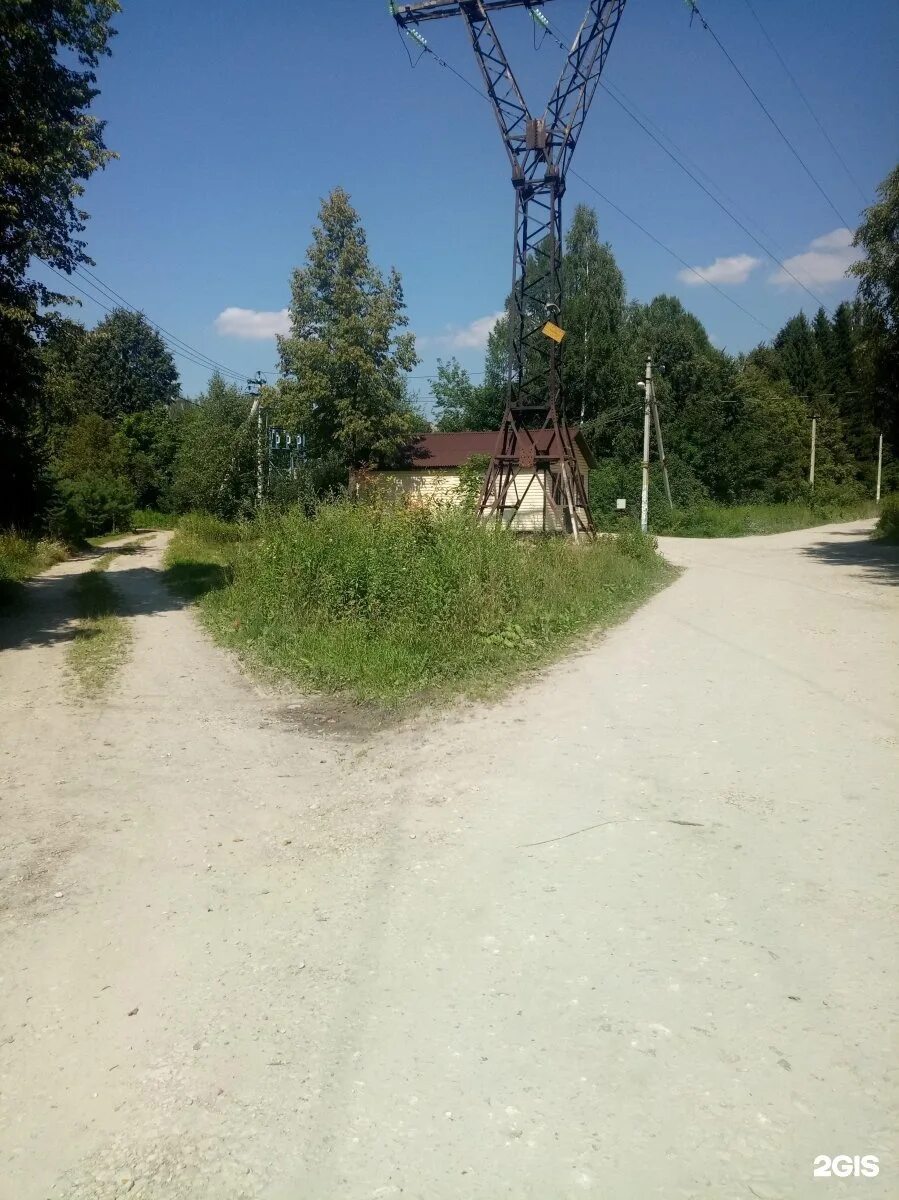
(433, 451)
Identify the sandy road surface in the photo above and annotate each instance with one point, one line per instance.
(627, 934)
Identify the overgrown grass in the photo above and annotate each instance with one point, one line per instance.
(888, 521)
(388, 604)
(102, 636)
(200, 557)
(21, 558)
(742, 520)
(152, 518)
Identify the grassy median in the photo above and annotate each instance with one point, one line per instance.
(388, 604)
(102, 635)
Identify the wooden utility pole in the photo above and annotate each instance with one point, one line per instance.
(879, 465)
(646, 385)
(253, 387)
(661, 448)
(811, 465)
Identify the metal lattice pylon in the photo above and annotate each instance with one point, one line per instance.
(534, 447)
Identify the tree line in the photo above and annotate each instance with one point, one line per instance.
(94, 422)
(737, 427)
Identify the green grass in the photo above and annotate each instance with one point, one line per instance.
(742, 520)
(22, 558)
(201, 555)
(388, 604)
(888, 521)
(102, 636)
(152, 518)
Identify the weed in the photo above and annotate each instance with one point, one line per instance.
(152, 518)
(101, 636)
(21, 558)
(388, 603)
(742, 520)
(888, 521)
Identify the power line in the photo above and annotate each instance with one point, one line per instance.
(715, 200)
(694, 9)
(110, 291)
(173, 349)
(632, 220)
(805, 100)
(673, 253)
(677, 161)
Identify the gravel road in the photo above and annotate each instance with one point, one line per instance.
(629, 933)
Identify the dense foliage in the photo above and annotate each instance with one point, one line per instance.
(737, 429)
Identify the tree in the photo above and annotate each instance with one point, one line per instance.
(878, 271)
(343, 362)
(215, 464)
(454, 396)
(124, 367)
(594, 310)
(878, 290)
(49, 142)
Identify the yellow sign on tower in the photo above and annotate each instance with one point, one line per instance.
(553, 331)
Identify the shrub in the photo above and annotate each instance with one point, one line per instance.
(91, 505)
(888, 522)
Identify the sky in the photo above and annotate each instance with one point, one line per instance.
(232, 121)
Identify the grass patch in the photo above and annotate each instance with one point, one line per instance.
(22, 558)
(888, 521)
(743, 520)
(200, 557)
(389, 604)
(102, 636)
(152, 518)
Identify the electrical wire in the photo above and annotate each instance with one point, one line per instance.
(110, 292)
(805, 100)
(695, 270)
(695, 11)
(652, 237)
(620, 101)
(92, 296)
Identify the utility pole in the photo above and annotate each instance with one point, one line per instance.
(646, 385)
(879, 464)
(253, 387)
(658, 425)
(811, 465)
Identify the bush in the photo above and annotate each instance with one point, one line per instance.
(387, 601)
(91, 505)
(888, 522)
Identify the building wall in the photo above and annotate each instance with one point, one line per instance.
(443, 487)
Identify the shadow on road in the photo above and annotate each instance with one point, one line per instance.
(42, 612)
(877, 561)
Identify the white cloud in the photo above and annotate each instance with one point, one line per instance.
(735, 269)
(472, 336)
(826, 261)
(251, 324)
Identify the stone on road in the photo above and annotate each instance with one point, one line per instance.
(627, 933)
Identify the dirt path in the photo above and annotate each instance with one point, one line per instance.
(626, 934)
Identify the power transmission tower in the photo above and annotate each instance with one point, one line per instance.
(534, 438)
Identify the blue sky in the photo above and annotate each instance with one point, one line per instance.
(232, 121)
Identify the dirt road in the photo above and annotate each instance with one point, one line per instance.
(627, 934)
